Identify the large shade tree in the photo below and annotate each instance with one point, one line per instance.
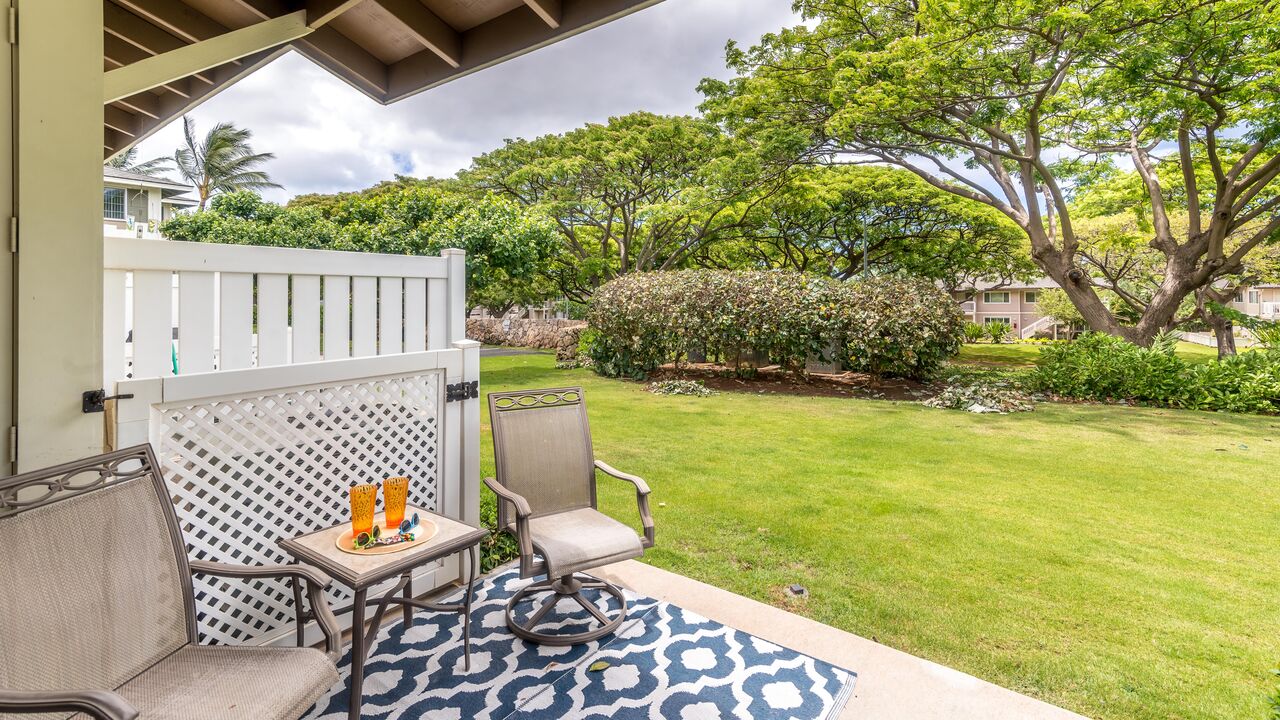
(849, 221)
(641, 192)
(223, 161)
(1015, 104)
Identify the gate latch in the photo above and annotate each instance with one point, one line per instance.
(92, 401)
(462, 391)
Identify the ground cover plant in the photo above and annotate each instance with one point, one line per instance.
(1123, 570)
(1104, 367)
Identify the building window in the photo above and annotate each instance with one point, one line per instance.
(1031, 296)
(1239, 296)
(1254, 297)
(113, 203)
(995, 297)
(1005, 320)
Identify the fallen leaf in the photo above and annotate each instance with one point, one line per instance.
(598, 665)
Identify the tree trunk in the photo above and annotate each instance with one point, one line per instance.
(1224, 332)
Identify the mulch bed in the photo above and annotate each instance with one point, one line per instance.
(774, 380)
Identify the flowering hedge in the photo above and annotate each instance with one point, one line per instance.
(886, 326)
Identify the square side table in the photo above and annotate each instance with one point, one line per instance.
(361, 572)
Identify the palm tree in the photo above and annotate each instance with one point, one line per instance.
(222, 162)
(128, 161)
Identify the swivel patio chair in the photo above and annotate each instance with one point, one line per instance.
(97, 614)
(546, 485)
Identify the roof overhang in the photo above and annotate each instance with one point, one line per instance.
(164, 57)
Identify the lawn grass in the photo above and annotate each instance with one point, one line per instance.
(1025, 354)
(1117, 561)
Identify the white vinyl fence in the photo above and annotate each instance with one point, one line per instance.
(298, 373)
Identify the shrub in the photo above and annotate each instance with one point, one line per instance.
(973, 332)
(997, 330)
(1103, 367)
(885, 326)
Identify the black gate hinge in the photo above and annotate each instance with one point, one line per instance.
(462, 391)
(92, 401)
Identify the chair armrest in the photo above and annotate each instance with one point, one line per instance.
(99, 704)
(316, 581)
(523, 511)
(516, 499)
(302, 572)
(642, 498)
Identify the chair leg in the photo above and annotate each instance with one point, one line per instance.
(568, 586)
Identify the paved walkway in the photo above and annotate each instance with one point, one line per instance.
(891, 684)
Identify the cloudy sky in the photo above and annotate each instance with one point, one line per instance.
(328, 137)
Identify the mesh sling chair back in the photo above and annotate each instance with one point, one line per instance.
(546, 485)
(97, 613)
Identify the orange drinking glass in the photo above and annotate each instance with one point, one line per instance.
(395, 492)
(364, 498)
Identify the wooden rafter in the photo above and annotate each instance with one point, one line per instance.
(134, 30)
(200, 56)
(427, 27)
(548, 10)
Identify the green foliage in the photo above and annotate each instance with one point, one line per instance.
(1043, 101)
(997, 331)
(641, 192)
(506, 246)
(1102, 367)
(844, 221)
(1055, 304)
(882, 325)
(499, 546)
(974, 332)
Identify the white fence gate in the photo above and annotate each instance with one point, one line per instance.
(298, 373)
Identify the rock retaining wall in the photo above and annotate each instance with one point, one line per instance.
(558, 335)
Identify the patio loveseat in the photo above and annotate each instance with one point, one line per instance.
(97, 613)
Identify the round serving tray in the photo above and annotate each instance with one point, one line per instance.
(425, 531)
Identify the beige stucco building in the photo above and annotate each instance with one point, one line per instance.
(136, 204)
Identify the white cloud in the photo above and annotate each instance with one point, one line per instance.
(328, 137)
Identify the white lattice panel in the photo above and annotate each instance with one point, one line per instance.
(246, 471)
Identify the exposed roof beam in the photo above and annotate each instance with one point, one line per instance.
(120, 121)
(177, 18)
(112, 141)
(136, 31)
(348, 60)
(435, 34)
(118, 53)
(506, 36)
(548, 10)
(144, 103)
(320, 12)
(171, 106)
(189, 59)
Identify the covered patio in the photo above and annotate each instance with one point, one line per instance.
(267, 379)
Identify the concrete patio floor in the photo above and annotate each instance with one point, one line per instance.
(891, 684)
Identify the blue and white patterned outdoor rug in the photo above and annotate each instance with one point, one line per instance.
(664, 662)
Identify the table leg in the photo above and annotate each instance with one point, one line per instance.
(466, 605)
(408, 594)
(357, 656)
